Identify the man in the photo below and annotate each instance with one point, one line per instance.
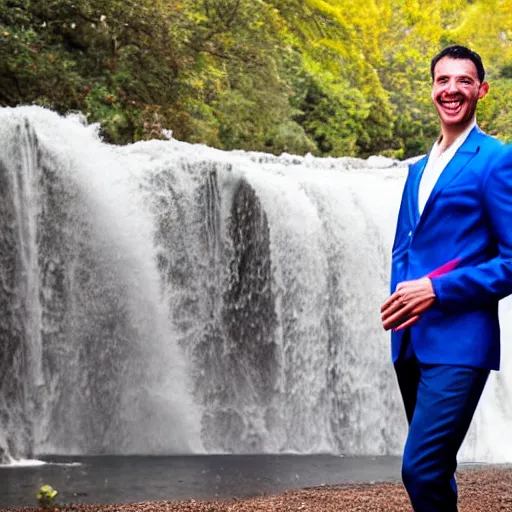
(451, 264)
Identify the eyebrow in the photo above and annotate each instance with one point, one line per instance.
(469, 77)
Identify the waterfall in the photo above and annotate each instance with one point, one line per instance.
(164, 298)
(88, 360)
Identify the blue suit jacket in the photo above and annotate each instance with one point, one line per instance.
(467, 216)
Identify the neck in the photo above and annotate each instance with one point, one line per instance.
(449, 134)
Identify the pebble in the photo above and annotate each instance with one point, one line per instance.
(479, 491)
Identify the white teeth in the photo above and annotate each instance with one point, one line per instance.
(451, 105)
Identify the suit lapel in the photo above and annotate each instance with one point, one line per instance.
(413, 206)
(459, 161)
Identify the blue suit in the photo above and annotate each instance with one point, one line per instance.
(443, 360)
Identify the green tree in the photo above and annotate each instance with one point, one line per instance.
(331, 77)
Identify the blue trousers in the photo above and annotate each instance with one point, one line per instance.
(439, 403)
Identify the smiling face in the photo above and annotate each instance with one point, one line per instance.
(456, 90)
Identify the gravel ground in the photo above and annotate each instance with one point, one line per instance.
(479, 491)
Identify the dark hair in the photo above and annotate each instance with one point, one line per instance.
(459, 52)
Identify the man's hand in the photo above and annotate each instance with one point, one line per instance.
(404, 307)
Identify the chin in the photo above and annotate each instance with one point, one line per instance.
(453, 122)
(460, 119)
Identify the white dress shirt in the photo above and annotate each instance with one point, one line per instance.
(436, 164)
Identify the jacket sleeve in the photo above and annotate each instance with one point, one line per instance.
(470, 287)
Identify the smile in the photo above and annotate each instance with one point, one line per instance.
(451, 107)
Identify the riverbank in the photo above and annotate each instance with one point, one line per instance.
(480, 491)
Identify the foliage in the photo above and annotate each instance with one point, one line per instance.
(46, 496)
(330, 77)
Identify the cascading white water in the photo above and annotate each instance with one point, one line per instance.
(183, 299)
(26, 204)
(99, 373)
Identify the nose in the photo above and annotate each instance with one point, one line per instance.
(451, 87)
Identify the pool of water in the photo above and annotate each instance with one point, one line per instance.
(121, 479)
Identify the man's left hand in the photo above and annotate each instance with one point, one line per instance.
(404, 307)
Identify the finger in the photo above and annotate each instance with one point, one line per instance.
(394, 301)
(414, 309)
(407, 323)
(402, 303)
(395, 319)
(394, 309)
(391, 308)
(400, 322)
(404, 297)
(389, 301)
(407, 295)
(422, 306)
(396, 315)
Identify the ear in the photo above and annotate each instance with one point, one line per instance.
(484, 89)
